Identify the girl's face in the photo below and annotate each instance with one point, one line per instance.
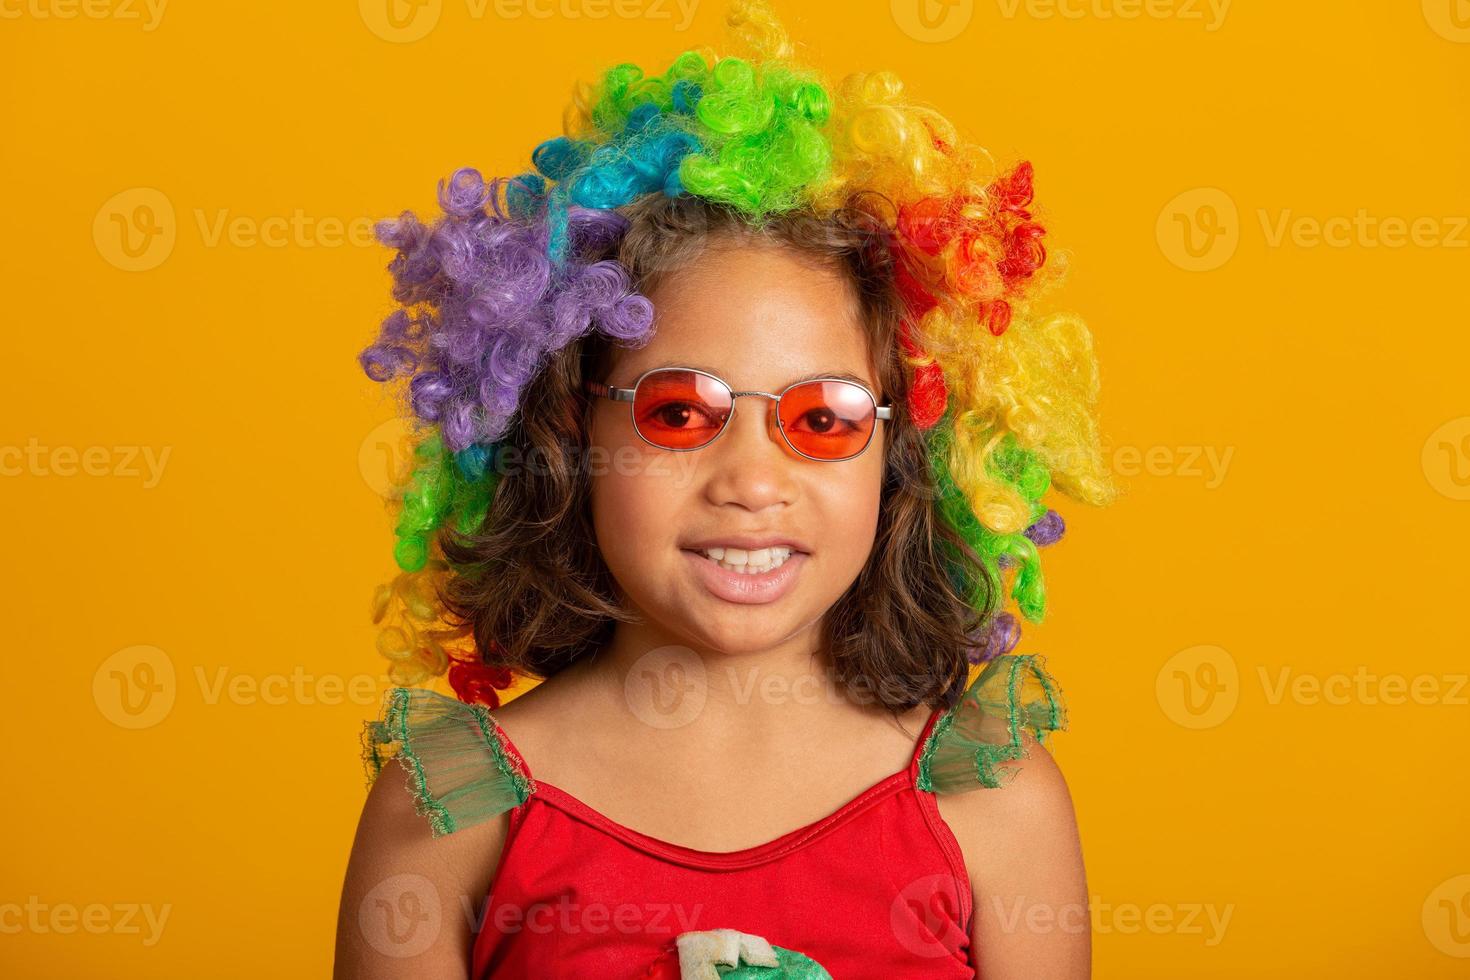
(759, 317)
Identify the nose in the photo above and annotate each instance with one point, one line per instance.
(749, 468)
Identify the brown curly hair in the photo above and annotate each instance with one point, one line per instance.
(530, 585)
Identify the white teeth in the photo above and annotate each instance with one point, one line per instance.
(748, 562)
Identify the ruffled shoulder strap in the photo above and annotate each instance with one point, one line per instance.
(462, 770)
(974, 743)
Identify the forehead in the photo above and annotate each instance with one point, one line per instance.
(757, 315)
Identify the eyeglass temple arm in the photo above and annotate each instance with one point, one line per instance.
(607, 391)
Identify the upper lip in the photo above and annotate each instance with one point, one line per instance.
(747, 542)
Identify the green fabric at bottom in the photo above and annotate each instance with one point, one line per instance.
(794, 966)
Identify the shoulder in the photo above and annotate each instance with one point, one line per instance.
(408, 893)
(1022, 849)
(1033, 806)
(392, 826)
(429, 839)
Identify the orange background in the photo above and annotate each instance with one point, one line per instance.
(1264, 208)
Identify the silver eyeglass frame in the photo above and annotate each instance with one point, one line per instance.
(621, 394)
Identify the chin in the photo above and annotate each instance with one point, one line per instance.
(741, 632)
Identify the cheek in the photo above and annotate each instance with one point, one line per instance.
(633, 500)
(852, 504)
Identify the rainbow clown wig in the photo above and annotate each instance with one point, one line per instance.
(520, 269)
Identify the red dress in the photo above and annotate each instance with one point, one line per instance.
(877, 888)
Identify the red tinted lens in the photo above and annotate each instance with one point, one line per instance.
(680, 409)
(828, 419)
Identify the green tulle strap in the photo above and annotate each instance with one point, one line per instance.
(460, 770)
(976, 742)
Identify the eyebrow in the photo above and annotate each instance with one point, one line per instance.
(841, 375)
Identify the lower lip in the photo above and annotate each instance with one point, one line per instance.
(743, 588)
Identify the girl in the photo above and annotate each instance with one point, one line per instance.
(735, 420)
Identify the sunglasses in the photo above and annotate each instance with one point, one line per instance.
(683, 409)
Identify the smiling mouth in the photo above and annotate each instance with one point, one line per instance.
(747, 582)
(743, 562)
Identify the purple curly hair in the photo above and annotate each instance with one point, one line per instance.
(484, 303)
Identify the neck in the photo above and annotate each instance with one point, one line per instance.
(670, 682)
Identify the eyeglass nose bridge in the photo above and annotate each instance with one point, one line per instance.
(775, 401)
(764, 394)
